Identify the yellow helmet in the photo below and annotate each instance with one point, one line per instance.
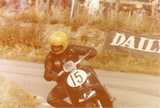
(59, 39)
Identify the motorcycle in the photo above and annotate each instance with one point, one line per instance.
(83, 87)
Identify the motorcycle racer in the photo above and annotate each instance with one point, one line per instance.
(61, 52)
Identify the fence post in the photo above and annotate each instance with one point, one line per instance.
(154, 5)
(72, 8)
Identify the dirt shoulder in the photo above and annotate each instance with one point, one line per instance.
(13, 96)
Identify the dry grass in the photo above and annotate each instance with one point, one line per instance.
(117, 61)
(25, 40)
(26, 34)
(12, 96)
(124, 22)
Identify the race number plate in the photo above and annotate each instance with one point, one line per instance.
(76, 78)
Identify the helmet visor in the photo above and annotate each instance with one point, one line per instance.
(57, 48)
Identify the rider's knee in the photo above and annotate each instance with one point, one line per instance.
(51, 100)
(57, 102)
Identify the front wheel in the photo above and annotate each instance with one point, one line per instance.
(104, 101)
(98, 103)
(101, 104)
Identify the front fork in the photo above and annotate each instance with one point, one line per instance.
(102, 93)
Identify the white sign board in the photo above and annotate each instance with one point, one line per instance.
(137, 43)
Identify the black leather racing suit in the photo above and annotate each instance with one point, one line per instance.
(53, 65)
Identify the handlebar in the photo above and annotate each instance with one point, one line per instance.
(83, 57)
(70, 65)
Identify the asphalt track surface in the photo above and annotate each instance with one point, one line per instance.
(128, 90)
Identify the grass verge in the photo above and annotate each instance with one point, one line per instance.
(25, 39)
